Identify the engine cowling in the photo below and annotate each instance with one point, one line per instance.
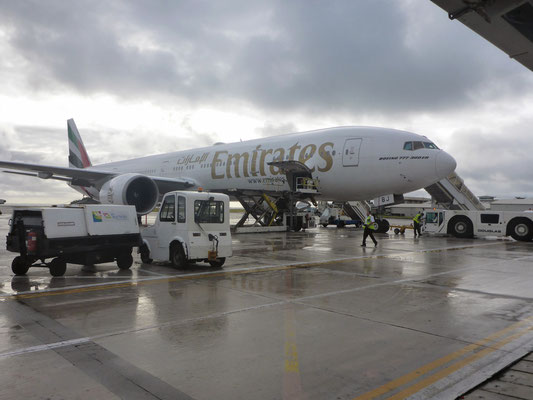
(131, 189)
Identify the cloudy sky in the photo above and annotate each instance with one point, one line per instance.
(149, 76)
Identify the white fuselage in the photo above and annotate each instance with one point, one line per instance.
(350, 163)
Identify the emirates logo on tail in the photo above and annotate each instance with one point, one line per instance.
(77, 155)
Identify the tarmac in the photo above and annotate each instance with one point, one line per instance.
(306, 315)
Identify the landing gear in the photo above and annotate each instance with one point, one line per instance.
(382, 226)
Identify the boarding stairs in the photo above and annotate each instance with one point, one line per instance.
(356, 210)
(451, 193)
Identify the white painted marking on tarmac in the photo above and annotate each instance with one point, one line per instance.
(154, 273)
(44, 347)
(263, 268)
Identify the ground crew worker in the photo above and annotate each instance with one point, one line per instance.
(416, 222)
(370, 226)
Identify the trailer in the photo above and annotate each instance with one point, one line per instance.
(469, 224)
(190, 227)
(86, 235)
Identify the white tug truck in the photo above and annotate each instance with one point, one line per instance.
(86, 235)
(190, 227)
(468, 224)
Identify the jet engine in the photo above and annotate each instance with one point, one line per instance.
(131, 189)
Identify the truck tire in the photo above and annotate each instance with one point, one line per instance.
(124, 261)
(219, 262)
(177, 256)
(19, 267)
(521, 229)
(57, 267)
(461, 227)
(145, 255)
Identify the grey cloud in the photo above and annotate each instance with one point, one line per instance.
(272, 129)
(347, 57)
(496, 163)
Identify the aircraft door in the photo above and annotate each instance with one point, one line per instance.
(350, 153)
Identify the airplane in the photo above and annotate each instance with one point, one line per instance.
(334, 164)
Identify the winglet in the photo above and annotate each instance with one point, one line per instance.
(77, 155)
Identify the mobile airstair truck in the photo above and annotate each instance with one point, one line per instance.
(190, 227)
(86, 235)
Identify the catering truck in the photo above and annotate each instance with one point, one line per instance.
(468, 224)
(189, 227)
(87, 235)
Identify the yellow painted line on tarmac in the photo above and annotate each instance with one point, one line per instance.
(220, 274)
(412, 376)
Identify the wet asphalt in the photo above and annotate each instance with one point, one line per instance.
(306, 315)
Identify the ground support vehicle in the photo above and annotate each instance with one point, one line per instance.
(190, 227)
(336, 216)
(400, 229)
(468, 224)
(86, 235)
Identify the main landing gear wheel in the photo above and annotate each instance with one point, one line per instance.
(382, 226)
(125, 261)
(57, 267)
(521, 229)
(19, 267)
(219, 262)
(177, 256)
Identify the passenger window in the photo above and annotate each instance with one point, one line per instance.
(408, 146)
(490, 218)
(441, 218)
(417, 145)
(429, 145)
(181, 209)
(168, 210)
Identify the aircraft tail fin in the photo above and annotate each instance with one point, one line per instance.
(77, 155)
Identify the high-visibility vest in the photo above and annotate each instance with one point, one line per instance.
(369, 223)
(417, 218)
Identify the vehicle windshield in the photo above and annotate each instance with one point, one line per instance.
(208, 211)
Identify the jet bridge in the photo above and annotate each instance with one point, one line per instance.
(451, 193)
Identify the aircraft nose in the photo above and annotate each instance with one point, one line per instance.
(444, 164)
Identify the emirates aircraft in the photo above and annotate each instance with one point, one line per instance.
(338, 164)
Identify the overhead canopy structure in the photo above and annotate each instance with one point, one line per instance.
(508, 24)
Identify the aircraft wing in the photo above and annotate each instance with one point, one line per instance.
(507, 24)
(87, 177)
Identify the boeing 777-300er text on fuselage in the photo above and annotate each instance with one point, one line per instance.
(342, 164)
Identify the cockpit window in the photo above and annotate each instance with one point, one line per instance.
(429, 145)
(417, 145)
